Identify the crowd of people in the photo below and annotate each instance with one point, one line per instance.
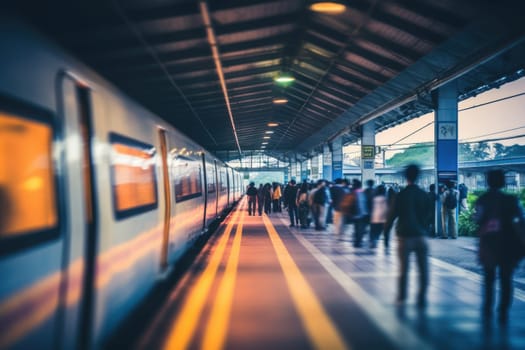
(411, 213)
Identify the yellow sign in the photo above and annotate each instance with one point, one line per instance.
(367, 152)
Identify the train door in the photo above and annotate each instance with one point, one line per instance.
(167, 199)
(205, 190)
(81, 238)
(229, 188)
(217, 187)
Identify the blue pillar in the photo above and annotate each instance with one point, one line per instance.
(446, 139)
(327, 162)
(368, 146)
(337, 158)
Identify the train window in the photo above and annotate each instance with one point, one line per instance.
(187, 175)
(28, 198)
(133, 176)
(223, 184)
(211, 180)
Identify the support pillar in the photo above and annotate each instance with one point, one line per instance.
(368, 146)
(337, 158)
(327, 163)
(446, 140)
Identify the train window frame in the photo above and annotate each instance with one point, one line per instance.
(28, 111)
(211, 186)
(176, 176)
(116, 138)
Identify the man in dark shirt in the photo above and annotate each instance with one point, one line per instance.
(411, 210)
(290, 197)
(251, 192)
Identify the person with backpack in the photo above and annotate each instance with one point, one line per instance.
(449, 203)
(500, 246)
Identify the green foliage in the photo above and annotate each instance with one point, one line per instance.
(465, 152)
(509, 151)
(422, 154)
(467, 226)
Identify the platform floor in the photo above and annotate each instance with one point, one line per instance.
(259, 284)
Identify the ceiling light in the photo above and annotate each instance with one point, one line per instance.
(284, 78)
(263, 146)
(328, 7)
(268, 132)
(272, 124)
(280, 100)
(266, 137)
(264, 143)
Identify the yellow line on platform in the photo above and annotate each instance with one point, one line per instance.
(183, 328)
(219, 320)
(320, 329)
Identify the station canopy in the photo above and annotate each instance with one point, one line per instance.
(210, 67)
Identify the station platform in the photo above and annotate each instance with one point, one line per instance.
(260, 284)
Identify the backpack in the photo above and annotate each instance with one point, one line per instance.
(348, 204)
(450, 200)
(320, 196)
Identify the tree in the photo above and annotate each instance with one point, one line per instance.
(500, 150)
(481, 150)
(515, 151)
(465, 152)
(422, 154)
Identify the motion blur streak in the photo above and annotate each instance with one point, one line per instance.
(320, 329)
(184, 325)
(18, 319)
(218, 322)
(123, 256)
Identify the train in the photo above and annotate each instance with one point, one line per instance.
(99, 197)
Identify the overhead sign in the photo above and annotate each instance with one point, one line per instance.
(367, 151)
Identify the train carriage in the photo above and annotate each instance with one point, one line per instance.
(99, 197)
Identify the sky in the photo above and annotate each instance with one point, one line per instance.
(472, 123)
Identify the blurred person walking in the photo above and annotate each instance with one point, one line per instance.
(290, 199)
(276, 197)
(360, 213)
(338, 192)
(432, 198)
(251, 192)
(499, 245)
(260, 199)
(379, 210)
(411, 209)
(302, 205)
(463, 194)
(449, 203)
(320, 200)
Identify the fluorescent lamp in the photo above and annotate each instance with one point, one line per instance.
(280, 100)
(272, 124)
(328, 7)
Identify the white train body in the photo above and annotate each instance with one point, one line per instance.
(100, 197)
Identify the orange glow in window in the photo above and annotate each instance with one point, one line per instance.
(134, 177)
(27, 187)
